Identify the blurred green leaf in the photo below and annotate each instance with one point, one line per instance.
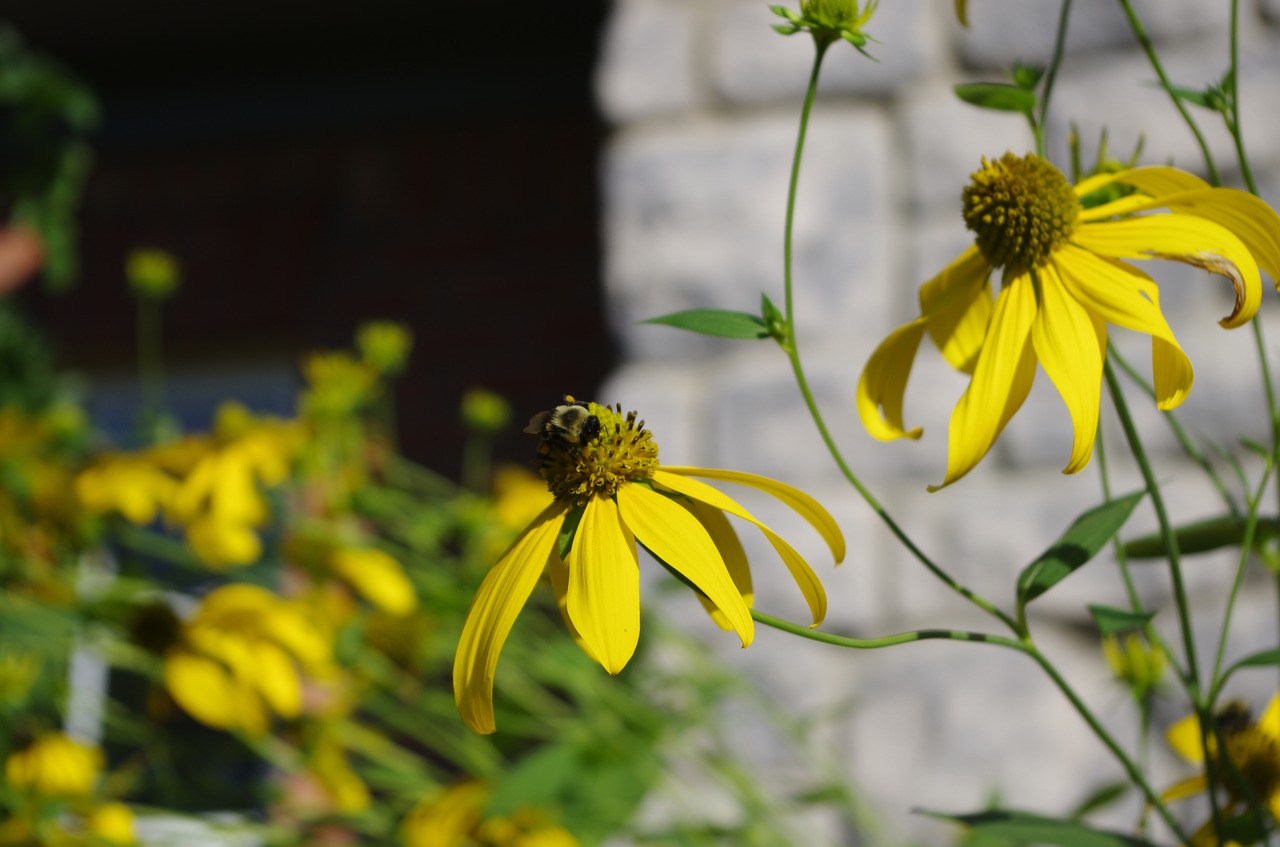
(1080, 543)
(1203, 536)
(1013, 826)
(717, 322)
(1111, 620)
(997, 96)
(1107, 795)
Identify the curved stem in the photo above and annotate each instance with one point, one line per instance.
(790, 346)
(1051, 75)
(1141, 34)
(1233, 119)
(851, 643)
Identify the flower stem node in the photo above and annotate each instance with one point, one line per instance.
(829, 21)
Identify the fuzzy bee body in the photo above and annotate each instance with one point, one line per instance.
(571, 423)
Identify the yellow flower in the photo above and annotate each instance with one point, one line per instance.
(55, 765)
(1253, 748)
(113, 823)
(610, 492)
(384, 345)
(456, 819)
(339, 384)
(1135, 663)
(132, 486)
(1063, 281)
(236, 661)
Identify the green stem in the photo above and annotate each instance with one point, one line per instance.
(1141, 34)
(1059, 47)
(1233, 121)
(791, 347)
(1192, 676)
(1246, 550)
(851, 643)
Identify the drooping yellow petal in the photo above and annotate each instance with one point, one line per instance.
(730, 547)
(1185, 788)
(956, 305)
(1184, 737)
(810, 586)
(1250, 218)
(558, 571)
(378, 577)
(803, 505)
(1124, 296)
(1000, 384)
(884, 380)
(493, 612)
(1269, 723)
(1071, 344)
(603, 597)
(276, 680)
(206, 691)
(676, 537)
(1155, 180)
(1182, 238)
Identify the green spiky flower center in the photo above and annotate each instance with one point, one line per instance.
(1021, 209)
(623, 451)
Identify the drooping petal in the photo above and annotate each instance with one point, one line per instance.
(559, 573)
(1184, 737)
(1185, 788)
(1000, 384)
(1250, 218)
(957, 306)
(493, 611)
(207, 691)
(1071, 343)
(676, 537)
(884, 381)
(1269, 723)
(1124, 296)
(810, 586)
(378, 577)
(735, 558)
(1182, 238)
(603, 595)
(276, 679)
(803, 505)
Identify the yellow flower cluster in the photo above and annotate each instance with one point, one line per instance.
(456, 818)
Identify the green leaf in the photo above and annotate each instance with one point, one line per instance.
(1026, 827)
(1107, 795)
(1199, 98)
(1080, 543)
(1262, 659)
(997, 96)
(717, 322)
(1203, 536)
(1111, 620)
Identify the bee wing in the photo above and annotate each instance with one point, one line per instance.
(538, 423)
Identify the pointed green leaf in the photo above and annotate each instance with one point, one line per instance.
(1266, 657)
(1203, 536)
(1107, 795)
(1082, 540)
(1111, 620)
(717, 322)
(1025, 827)
(997, 96)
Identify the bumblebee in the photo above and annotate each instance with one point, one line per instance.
(571, 423)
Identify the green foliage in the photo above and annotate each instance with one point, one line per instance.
(1075, 547)
(997, 96)
(717, 322)
(1111, 621)
(1204, 537)
(1013, 827)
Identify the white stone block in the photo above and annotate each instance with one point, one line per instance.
(648, 60)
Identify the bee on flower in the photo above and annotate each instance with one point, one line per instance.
(1063, 279)
(610, 493)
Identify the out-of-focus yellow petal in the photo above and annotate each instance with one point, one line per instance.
(735, 558)
(275, 678)
(221, 543)
(957, 306)
(1000, 384)
(112, 822)
(378, 577)
(206, 691)
(493, 611)
(1123, 296)
(448, 820)
(1269, 723)
(547, 836)
(803, 505)
(1184, 737)
(1185, 788)
(1182, 238)
(1071, 344)
(676, 537)
(603, 598)
(884, 381)
(810, 586)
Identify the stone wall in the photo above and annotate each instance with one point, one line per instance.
(703, 99)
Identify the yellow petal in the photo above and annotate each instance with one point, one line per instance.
(1124, 296)
(558, 571)
(603, 597)
(810, 586)
(1182, 238)
(1185, 788)
(1071, 344)
(957, 306)
(275, 678)
(1184, 737)
(289, 626)
(1269, 723)
(207, 692)
(884, 380)
(676, 537)
(493, 611)
(802, 504)
(1155, 180)
(1248, 217)
(735, 558)
(1000, 383)
(113, 823)
(378, 577)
